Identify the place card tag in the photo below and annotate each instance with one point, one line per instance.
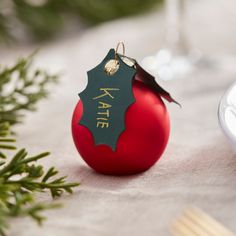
(106, 98)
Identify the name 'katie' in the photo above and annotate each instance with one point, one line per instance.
(103, 113)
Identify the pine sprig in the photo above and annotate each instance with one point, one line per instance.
(21, 89)
(21, 165)
(22, 176)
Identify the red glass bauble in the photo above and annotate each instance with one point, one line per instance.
(139, 146)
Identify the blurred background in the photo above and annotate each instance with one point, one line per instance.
(41, 20)
(193, 32)
(27, 21)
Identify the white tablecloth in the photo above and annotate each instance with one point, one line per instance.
(198, 166)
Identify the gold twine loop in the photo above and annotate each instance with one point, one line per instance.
(117, 48)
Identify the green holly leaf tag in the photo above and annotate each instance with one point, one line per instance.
(106, 98)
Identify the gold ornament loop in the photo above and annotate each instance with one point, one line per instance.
(120, 43)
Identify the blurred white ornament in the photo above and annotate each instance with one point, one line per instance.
(227, 114)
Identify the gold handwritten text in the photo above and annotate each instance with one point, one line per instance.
(103, 113)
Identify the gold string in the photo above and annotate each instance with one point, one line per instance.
(120, 43)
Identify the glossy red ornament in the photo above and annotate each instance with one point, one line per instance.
(138, 147)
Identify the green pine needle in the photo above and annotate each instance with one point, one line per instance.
(22, 176)
(20, 90)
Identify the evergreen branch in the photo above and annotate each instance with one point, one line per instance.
(26, 89)
(21, 176)
(17, 195)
